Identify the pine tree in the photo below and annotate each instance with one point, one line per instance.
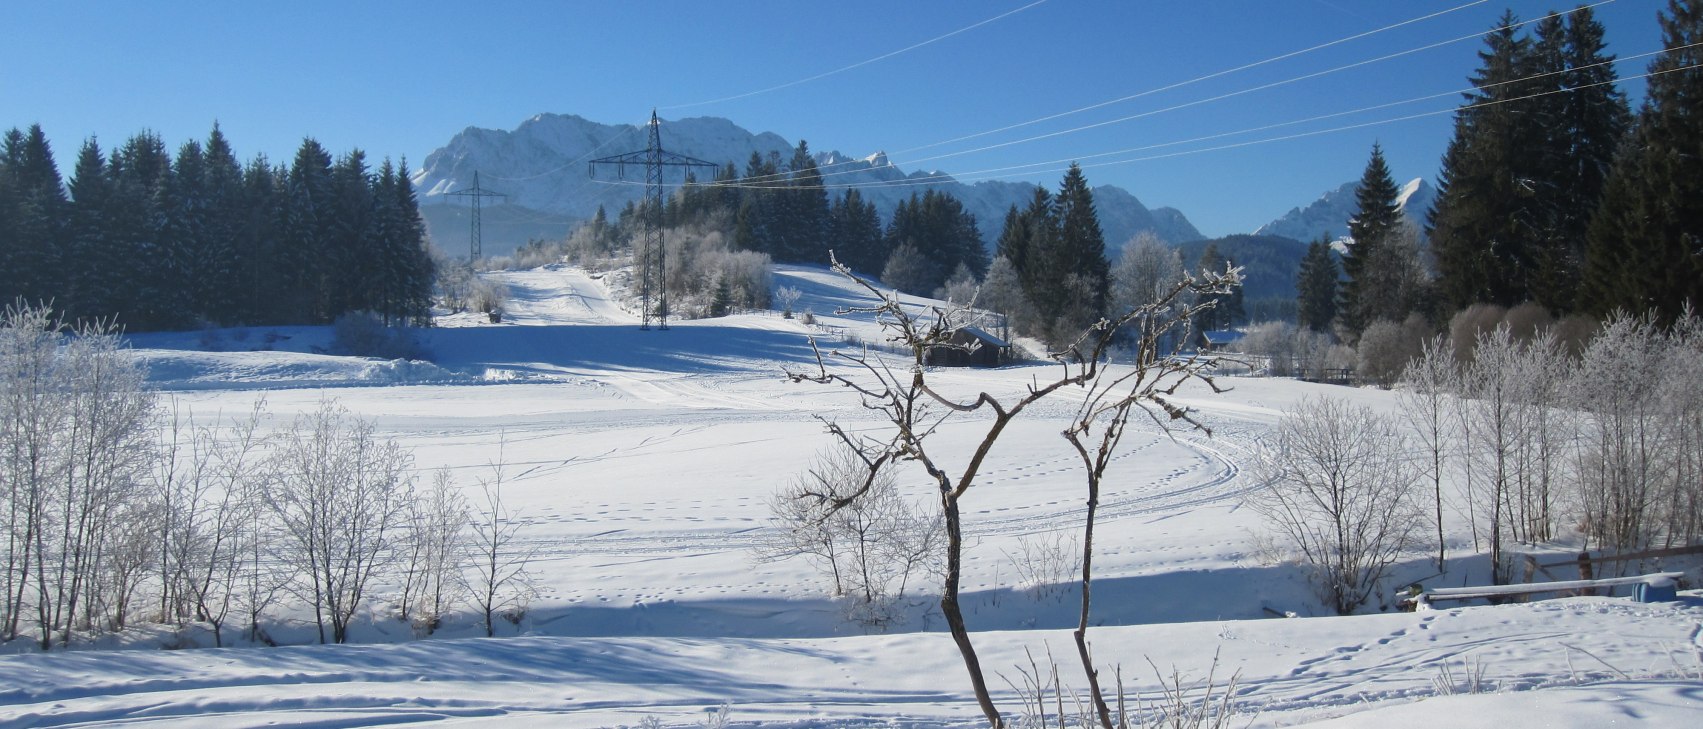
(1229, 307)
(87, 237)
(1584, 126)
(1082, 245)
(1646, 243)
(219, 284)
(754, 225)
(140, 170)
(259, 272)
(806, 221)
(1375, 219)
(1316, 287)
(1482, 225)
(37, 217)
(855, 233)
(306, 240)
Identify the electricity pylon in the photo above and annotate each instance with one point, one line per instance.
(655, 160)
(476, 246)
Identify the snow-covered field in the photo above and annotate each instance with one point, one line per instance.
(640, 464)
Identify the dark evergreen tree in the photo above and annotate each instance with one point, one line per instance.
(855, 235)
(1228, 310)
(1316, 286)
(1584, 125)
(1082, 246)
(412, 268)
(258, 267)
(140, 171)
(218, 281)
(806, 211)
(36, 226)
(306, 236)
(754, 225)
(1644, 251)
(943, 234)
(1483, 224)
(1376, 218)
(87, 237)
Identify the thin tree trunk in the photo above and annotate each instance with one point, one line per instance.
(954, 615)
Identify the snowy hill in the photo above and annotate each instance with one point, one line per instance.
(1328, 216)
(641, 465)
(542, 167)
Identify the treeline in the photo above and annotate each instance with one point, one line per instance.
(115, 509)
(1553, 193)
(786, 212)
(1546, 437)
(156, 241)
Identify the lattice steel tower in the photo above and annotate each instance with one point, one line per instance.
(655, 160)
(476, 246)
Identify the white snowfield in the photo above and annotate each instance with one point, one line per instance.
(641, 463)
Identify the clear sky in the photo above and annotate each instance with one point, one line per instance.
(401, 78)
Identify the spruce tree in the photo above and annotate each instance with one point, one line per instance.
(218, 263)
(1375, 219)
(37, 217)
(1644, 249)
(855, 234)
(1082, 246)
(87, 236)
(1316, 287)
(136, 216)
(305, 229)
(1483, 224)
(1583, 127)
(806, 218)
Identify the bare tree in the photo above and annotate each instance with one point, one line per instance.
(872, 546)
(1425, 403)
(1339, 478)
(435, 545)
(915, 409)
(340, 496)
(1114, 394)
(500, 585)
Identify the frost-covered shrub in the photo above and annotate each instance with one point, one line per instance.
(489, 296)
(363, 334)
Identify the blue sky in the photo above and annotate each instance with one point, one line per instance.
(399, 79)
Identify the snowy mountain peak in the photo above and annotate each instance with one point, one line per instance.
(1328, 216)
(542, 167)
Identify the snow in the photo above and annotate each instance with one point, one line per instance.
(639, 464)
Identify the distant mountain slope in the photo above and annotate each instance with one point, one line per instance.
(1328, 216)
(542, 168)
(1269, 263)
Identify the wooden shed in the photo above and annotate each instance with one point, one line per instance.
(970, 347)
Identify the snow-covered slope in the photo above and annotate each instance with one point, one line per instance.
(640, 465)
(542, 166)
(1328, 216)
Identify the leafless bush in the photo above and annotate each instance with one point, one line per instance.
(1469, 681)
(1338, 481)
(871, 547)
(489, 296)
(1047, 564)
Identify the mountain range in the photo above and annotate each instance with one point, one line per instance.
(1327, 217)
(542, 168)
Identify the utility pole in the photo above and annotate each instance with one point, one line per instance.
(655, 160)
(477, 194)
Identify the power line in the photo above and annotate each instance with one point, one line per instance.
(1198, 102)
(980, 175)
(859, 64)
(655, 161)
